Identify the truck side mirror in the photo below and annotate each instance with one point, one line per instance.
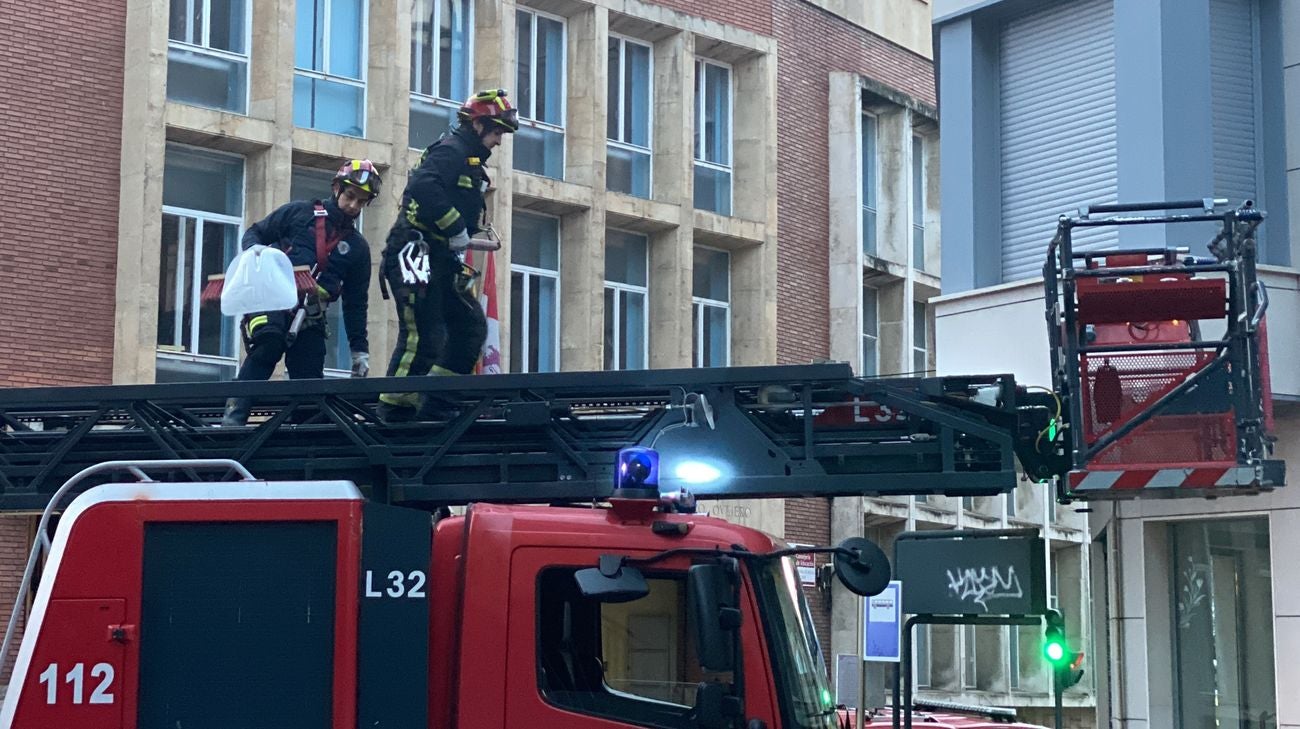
(711, 602)
(612, 581)
(861, 566)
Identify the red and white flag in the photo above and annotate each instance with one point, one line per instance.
(489, 362)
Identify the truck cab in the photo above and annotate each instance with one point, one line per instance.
(300, 604)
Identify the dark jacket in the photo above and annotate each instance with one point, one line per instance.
(292, 229)
(444, 194)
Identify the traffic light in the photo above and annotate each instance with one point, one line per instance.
(1067, 665)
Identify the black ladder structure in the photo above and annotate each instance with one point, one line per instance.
(777, 431)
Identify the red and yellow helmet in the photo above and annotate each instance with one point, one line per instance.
(490, 105)
(361, 174)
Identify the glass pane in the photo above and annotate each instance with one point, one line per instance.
(524, 65)
(227, 25)
(422, 46)
(869, 161)
(205, 80)
(715, 336)
(453, 50)
(550, 71)
(200, 180)
(429, 122)
(870, 311)
(717, 114)
(542, 322)
(216, 332)
(611, 118)
(539, 151)
(712, 275)
(517, 333)
(632, 330)
(176, 21)
(918, 204)
(337, 354)
(918, 325)
(535, 241)
(870, 357)
(918, 247)
(869, 231)
(173, 279)
(309, 35)
(697, 353)
(625, 257)
(346, 43)
(698, 131)
(627, 171)
(306, 183)
(611, 341)
(636, 84)
(923, 655)
(713, 190)
(172, 369)
(328, 106)
(1223, 623)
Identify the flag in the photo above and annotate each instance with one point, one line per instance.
(489, 362)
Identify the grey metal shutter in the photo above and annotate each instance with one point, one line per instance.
(1058, 151)
(1233, 84)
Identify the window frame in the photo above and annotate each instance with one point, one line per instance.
(622, 95)
(202, 47)
(191, 353)
(870, 239)
(701, 145)
(363, 63)
(873, 337)
(699, 304)
(526, 115)
(626, 288)
(436, 70)
(529, 273)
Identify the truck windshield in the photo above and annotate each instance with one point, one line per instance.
(796, 655)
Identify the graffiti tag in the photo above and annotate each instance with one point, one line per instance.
(984, 583)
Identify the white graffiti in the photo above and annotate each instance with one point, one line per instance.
(984, 583)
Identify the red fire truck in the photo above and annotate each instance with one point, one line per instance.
(305, 571)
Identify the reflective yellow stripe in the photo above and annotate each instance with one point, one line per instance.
(256, 322)
(449, 219)
(464, 181)
(440, 370)
(409, 399)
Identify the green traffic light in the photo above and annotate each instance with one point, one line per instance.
(1055, 651)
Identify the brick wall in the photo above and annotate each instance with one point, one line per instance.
(752, 15)
(60, 132)
(811, 44)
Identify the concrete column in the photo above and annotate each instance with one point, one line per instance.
(582, 235)
(754, 270)
(267, 173)
(846, 619)
(494, 64)
(140, 213)
(845, 126)
(894, 146)
(671, 252)
(895, 343)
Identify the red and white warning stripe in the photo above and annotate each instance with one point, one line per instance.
(1163, 478)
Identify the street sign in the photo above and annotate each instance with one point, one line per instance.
(972, 572)
(807, 566)
(882, 625)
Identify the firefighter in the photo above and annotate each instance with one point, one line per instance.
(441, 326)
(321, 236)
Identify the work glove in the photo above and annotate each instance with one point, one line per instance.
(459, 242)
(360, 364)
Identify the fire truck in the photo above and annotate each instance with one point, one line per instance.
(306, 570)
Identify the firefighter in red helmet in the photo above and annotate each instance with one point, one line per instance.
(321, 236)
(441, 326)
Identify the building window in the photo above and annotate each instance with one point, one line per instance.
(442, 46)
(920, 357)
(870, 332)
(1223, 647)
(626, 291)
(539, 144)
(712, 137)
(870, 160)
(968, 503)
(918, 203)
(207, 53)
(203, 208)
(970, 666)
(313, 184)
(1011, 504)
(329, 80)
(1013, 657)
(627, 165)
(711, 319)
(922, 656)
(534, 293)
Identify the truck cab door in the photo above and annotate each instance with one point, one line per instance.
(581, 664)
(78, 671)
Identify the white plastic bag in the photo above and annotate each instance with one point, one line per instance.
(259, 279)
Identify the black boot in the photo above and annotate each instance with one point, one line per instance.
(389, 414)
(434, 408)
(237, 409)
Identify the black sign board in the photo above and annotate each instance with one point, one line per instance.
(972, 572)
(393, 640)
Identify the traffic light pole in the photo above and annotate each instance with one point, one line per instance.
(1057, 691)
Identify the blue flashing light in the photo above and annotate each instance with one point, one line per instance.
(638, 468)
